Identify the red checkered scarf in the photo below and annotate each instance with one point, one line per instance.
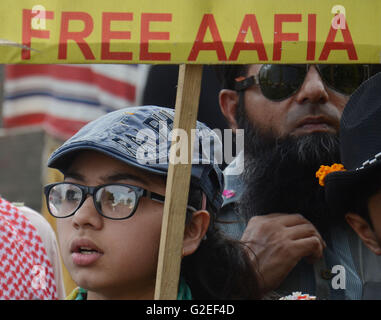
(25, 269)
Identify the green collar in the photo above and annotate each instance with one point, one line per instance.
(82, 294)
(184, 292)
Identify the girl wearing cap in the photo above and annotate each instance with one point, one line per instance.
(110, 208)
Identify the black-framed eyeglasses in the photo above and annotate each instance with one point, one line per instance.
(280, 81)
(114, 201)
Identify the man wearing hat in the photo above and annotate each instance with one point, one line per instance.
(354, 190)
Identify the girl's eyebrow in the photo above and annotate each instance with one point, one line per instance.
(110, 178)
(125, 176)
(74, 175)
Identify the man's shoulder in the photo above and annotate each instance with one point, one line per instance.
(23, 248)
(38, 221)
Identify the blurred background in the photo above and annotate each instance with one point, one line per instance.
(20, 160)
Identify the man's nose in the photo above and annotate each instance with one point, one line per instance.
(313, 89)
(87, 215)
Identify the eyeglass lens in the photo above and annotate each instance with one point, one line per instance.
(116, 201)
(113, 201)
(343, 78)
(279, 82)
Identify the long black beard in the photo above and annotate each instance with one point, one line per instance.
(279, 174)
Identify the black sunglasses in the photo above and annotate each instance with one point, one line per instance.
(281, 81)
(113, 201)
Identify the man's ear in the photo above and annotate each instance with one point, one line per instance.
(364, 231)
(195, 230)
(229, 100)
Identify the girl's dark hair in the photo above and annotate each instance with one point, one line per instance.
(220, 268)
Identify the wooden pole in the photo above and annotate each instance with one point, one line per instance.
(178, 180)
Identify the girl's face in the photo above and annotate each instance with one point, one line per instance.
(123, 265)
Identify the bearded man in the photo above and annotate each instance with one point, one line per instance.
(291, 116)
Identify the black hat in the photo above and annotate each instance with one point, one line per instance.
(360, 147)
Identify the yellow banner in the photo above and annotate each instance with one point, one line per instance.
(190, 31)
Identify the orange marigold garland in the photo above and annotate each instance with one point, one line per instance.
(324, 170)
